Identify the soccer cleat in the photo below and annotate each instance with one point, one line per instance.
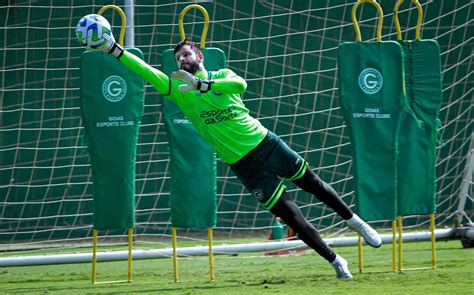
(370, 236)
(342, 268)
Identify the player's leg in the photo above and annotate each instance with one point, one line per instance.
(256, 173)
(313, 184)
(288, 211)
(288, 164)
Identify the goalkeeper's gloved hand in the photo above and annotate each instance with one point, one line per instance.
(111, 46)
(192, 83)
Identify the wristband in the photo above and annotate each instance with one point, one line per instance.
(204, 85)
(116, 50)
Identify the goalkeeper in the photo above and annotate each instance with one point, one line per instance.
(212, 102)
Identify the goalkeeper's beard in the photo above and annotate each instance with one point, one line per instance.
(191, 68)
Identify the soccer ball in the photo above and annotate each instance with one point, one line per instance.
(93, 31)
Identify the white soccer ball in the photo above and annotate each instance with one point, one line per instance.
(93, 31)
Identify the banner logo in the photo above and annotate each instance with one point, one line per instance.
(258, 193)
(370, 81)
(114, 88)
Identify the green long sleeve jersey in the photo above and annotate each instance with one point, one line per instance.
(219, 115)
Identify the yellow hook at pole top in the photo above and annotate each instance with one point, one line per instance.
(356, 25)
(122, 16)
(206, 22)
(418, 23)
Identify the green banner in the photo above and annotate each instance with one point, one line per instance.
(193, 162)
(417, 142)
(373, 101)
(112, 100)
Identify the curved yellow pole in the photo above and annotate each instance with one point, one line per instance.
(206, 22)
(418, 23)
(122, 16)
(356, 25)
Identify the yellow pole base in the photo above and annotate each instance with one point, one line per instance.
(361, 259)
(175, 255)
(394, 245)
(211, 257)
(95, 235)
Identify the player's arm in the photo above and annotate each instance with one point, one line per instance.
(155, 77)
(158, 79)
(230, 84)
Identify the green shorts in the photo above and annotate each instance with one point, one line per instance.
(261, 169)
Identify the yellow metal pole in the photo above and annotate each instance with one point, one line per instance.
(418, 23)
(394, 245)
(211, 257)
(206, 22)
(395, 19)
(94, 255)
(95, 234)
(130, 257)
(379, 24)
(433, 241)
(122, 17)
(400, 243)
(420, 19)
(361, 259)
(175, 255)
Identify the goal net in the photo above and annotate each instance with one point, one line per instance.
(286, 51)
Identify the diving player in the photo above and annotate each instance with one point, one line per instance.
(211, 100)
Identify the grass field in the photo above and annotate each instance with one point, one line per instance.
(305, 274)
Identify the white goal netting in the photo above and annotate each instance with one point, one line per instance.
(286, 50)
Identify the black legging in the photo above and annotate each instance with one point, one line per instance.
(311, 183)
(286, 209)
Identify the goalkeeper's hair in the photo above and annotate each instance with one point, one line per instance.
(192, 45)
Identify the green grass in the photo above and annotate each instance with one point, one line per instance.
(247, 274)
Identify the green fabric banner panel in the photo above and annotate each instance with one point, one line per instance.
(371, 90)
(193, 161)
(417, 142)
(112, 99)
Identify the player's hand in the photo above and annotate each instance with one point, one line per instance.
(189, 79)
(191, 82)
(111, 46)
(110, 43)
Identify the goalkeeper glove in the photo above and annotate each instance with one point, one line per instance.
(192, 83)
(111, 46)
